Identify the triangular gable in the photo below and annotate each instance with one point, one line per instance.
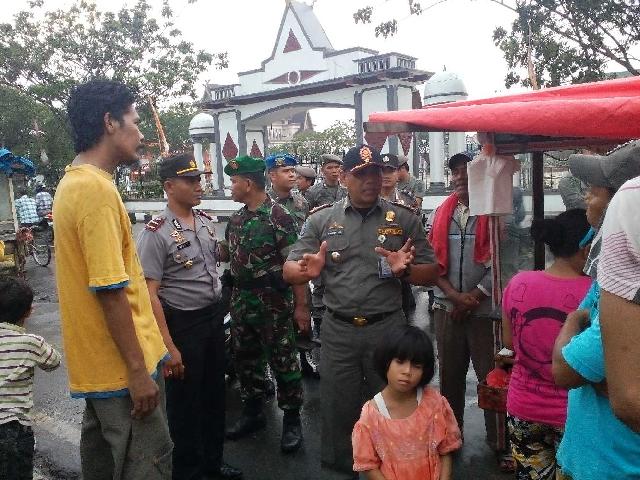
(292, 43)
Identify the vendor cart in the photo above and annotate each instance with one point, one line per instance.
(10, 248)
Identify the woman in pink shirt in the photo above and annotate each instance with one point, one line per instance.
(535, 305)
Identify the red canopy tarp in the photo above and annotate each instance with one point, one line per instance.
(605, 110)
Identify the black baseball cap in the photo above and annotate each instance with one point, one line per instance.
(390, 160)
(462, 157)
(360, 157)
(180, 165)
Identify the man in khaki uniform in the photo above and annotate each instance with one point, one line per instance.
(329, 189)
(361, 247)
(407, 182)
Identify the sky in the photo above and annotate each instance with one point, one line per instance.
(451, 34)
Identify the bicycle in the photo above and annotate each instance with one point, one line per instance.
(37, 246)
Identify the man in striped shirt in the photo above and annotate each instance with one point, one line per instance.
(20, 353)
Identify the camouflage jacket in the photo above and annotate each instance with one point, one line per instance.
(296, 204)
(259, 241)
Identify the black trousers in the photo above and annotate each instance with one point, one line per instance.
(16, 451)
(196, 405)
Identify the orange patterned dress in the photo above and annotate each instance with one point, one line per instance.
(408, 448)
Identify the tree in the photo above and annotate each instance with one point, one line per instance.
(555, 41)
(28, 128)
(309, 145)
(570, 40)
(43, 54)
(175, 123)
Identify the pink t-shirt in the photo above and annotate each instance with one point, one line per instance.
(537, 305)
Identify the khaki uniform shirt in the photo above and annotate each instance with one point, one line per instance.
(296, 204)
(405, 198)
(351, 273)
(414, 186)
(185, 267)
(321, 194)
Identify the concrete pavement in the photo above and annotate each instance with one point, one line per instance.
(58, 417)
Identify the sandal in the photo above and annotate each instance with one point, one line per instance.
(506, 463)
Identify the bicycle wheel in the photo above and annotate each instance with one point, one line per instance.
(41, 253)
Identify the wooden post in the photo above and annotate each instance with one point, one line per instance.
(537, 187)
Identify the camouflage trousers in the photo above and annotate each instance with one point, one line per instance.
(261, 332)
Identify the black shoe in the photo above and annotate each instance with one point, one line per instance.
(245, 425)
(225, 471)
(291, 435)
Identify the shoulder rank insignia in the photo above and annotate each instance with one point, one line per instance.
(154, 224)
(204, 214)
(407, 207)
(319, 207)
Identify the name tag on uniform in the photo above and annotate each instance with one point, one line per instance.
(332, 233)
(387, 231)
(183, 245)
(384, 269)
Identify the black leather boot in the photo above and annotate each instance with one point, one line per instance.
(251, 420)
(291, 431)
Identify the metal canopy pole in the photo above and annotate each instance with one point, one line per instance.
(537, 181)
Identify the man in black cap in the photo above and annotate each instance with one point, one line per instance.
(462, 300)
(178, 255)
(329, 189)
(361, 247)
(408, 183)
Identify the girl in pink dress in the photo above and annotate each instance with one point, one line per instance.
(407, 431)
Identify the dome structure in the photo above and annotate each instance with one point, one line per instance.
(201, 125)
(444, 87)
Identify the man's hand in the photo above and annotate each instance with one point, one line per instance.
(174, 367)
(312, 263)
(463, 301)
(144, 392)
(400, 260)
(302, 317)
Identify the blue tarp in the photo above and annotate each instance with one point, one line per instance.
(10, 164)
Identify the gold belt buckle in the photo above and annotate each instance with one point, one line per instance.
(359, 321)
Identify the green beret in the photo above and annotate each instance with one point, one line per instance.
(244, 164)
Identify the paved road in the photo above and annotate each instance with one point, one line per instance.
(58, 417)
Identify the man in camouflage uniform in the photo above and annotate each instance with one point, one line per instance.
(257, 241)
(329, 189)
(407, 182)
(281, 168)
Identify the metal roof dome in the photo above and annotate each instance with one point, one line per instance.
(201, 124)
(444, 87)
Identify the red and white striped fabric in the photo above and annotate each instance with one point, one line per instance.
(619, 266)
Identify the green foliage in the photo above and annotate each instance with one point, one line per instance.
(27, 128)
(45, 53)
(570, 40)
(175, 122)
(307, 145)
(566, 41)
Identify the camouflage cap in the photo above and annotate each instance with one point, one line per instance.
(244, 164)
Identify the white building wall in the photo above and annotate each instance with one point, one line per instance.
(257, 136)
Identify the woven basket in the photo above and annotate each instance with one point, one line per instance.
(492, 398)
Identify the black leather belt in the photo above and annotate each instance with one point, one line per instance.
(360, 320)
